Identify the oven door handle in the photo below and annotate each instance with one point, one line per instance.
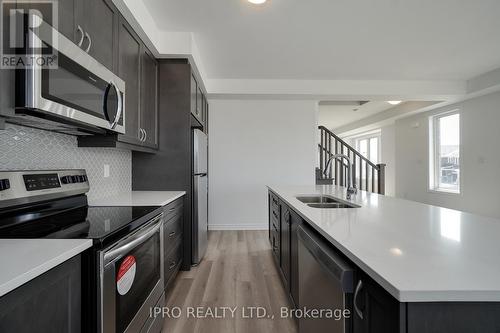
(133, 241)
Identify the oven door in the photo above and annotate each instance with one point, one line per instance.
(132, 279)
(77, 88)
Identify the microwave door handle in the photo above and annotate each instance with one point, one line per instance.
(133, 241)
(82, 34)
(120, 105)
(90, 42)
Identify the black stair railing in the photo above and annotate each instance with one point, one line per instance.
(367, 175)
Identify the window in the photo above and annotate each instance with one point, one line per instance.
(369, 147)
(445, 153)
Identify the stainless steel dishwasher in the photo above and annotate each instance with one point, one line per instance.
(326, 282)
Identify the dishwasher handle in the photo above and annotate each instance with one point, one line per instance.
(327, 258)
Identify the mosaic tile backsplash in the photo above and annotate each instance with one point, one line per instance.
(24, 148)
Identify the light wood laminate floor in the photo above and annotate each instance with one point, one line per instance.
(238, 271)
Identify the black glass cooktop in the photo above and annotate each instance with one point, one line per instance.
(68, 219)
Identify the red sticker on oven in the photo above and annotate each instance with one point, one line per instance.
(126, 275)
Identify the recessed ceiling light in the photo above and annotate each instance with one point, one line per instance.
(396, 251)
(257, 2)
(394, 102)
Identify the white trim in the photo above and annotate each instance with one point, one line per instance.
(368, 136)
(239, 226)
(434, 142)
(444, 191)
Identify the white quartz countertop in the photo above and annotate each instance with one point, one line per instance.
(24, 259)
(417, 252)
(139, 198)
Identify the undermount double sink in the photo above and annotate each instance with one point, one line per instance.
(324, 201)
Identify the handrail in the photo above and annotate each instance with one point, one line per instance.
(373, 165)
(371, 177)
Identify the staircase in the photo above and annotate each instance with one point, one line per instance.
(367, 176)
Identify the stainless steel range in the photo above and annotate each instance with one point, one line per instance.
(125, 266)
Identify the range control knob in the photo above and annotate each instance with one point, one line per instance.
(66, 180)
(4, 184)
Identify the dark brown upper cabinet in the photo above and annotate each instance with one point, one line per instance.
(92, 25)
(194, 91)
(96, 26)
(205, 115)
(199, 105)
(139, 69)
(129, 63)
(99, 19)
(66, 19)
(149, 99)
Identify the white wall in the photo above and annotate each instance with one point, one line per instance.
(254, 143)
(480, 160)
(388, 156)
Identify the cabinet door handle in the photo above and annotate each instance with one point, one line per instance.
(82, 35)
(90, 42)
(172, 265)
(171, 234)
(356, 293)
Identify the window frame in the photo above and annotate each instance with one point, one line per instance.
(434, 151)
(367, 136)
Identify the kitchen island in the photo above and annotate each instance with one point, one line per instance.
(437, 268)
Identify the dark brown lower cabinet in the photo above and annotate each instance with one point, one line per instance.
(285, 245)
(52, 302)
(295, 222)
(283, 223)
(172, 239)
(375, 310)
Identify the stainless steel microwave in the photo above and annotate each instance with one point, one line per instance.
(78, 96)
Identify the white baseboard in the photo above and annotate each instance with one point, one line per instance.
(239, 226)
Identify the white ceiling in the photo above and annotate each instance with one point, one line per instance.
(335, 116)
(339, 39)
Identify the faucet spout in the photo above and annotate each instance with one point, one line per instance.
(351, 187)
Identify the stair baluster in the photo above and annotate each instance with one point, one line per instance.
(369, 177)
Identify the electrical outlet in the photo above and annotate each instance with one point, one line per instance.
(106, 170)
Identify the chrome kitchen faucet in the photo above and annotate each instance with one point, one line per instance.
(351, 186)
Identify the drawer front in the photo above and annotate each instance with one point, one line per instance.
(274, 200)
(172, 263)
(173, 208)
(275, 243)
(275, 211)
(172, 231)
